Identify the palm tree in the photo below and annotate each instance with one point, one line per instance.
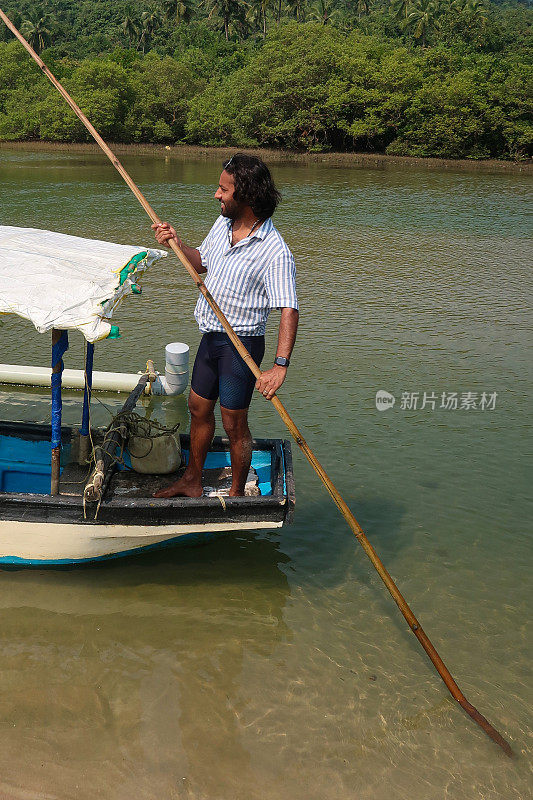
(130, 26)
(256, 14)
(180, 10)
(297, 9)
(324, 11)
(37, 31)
(423, 19)
(401, 9)
(225, 10)
(477, 11)
(149, 22)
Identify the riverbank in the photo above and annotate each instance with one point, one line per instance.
(367, 160)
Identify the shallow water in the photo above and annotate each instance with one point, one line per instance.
(275, 666)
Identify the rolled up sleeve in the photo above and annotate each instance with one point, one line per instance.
(280, 282)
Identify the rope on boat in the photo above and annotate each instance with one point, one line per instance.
(144, 428)
(93, 487)
(124, 425)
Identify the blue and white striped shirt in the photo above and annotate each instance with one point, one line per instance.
(247, 280)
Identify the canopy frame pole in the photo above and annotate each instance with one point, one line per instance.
(85, 430)
(59, 347)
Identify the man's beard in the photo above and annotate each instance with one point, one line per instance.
(232, 209)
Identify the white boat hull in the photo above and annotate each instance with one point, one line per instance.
(36, 543)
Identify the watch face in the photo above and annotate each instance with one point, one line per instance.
(282, 362)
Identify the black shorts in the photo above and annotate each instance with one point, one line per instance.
(220, 371)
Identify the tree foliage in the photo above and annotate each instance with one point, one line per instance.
(447, 78)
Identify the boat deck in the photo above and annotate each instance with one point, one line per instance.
(127, 483)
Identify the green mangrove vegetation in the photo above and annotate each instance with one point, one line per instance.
(444, 78)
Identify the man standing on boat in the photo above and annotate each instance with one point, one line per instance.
(250, 270)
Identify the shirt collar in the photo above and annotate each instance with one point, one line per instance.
(264, 229)
(260, 233)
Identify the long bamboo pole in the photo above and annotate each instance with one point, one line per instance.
(326, 480)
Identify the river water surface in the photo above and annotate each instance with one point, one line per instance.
(275, 666)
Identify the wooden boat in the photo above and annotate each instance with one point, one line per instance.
(51, 511)
(40, 529)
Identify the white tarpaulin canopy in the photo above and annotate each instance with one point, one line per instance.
(60, 281)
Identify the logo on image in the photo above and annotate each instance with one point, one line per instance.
(384, 400)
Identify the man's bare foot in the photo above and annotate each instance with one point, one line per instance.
(185, 487)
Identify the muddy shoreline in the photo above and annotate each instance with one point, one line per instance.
(367, 160)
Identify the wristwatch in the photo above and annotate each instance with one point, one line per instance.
(282, 362)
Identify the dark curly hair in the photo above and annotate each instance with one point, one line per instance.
(253, 184)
